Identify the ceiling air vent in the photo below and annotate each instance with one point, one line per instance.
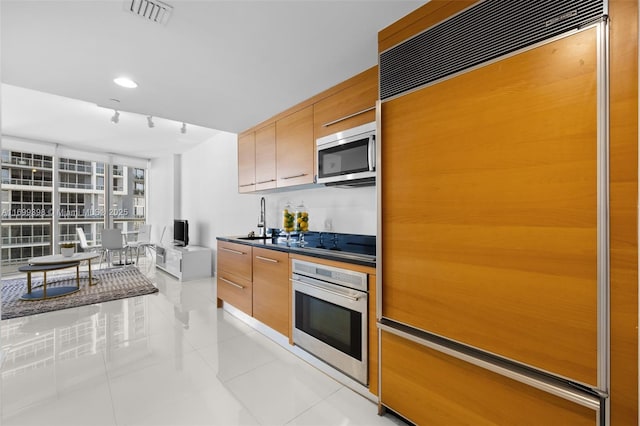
(153, 10)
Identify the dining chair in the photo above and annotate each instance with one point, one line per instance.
(143, 241)
(112, 241)
(84, 244)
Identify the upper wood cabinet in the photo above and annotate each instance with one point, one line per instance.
(246, 162)
(352, 105)
(295, 148)
(280, 152)
(265, 157)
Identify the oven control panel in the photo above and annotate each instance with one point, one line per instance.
(343, 277)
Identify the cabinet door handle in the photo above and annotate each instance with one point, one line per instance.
(247, 184)
(232, 283)
(266, 181)
(266, 259)
(232, 251)
(331, 123)
(295, 176)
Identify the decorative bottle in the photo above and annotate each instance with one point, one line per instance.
(288, 219)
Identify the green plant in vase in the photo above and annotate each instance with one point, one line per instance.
(67, 249)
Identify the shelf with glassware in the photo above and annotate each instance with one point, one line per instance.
(184, 263)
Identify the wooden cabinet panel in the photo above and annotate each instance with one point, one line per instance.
(352, 106)
(271, 300)
(234, 275)
(246, 163)
(266, 157)
(489, 195)
(624, 214)
(235, 259)
(295, 148)
(235, 291)
(431, 388)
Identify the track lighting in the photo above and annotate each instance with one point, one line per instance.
(116, 117)
(183, 129)
(150, 121)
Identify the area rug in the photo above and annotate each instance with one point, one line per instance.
(111, 284)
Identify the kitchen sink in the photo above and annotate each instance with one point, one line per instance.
(254, 238)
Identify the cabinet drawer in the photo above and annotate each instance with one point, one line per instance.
(235, 259)
(236, 291)
(269, 262)
(430, 387)
(271, 296)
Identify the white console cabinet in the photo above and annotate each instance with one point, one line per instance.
(185, 263)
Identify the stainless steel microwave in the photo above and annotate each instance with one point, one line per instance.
(347, 157)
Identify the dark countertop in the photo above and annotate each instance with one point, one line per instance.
(280, 244)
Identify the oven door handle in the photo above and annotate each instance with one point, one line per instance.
(337, 293)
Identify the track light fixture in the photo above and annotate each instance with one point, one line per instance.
(116, 117)
(150, 121)
(183, 129)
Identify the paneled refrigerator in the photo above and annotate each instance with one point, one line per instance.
(493, 217)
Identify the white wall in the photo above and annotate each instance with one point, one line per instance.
(210, 199)
(161, 198)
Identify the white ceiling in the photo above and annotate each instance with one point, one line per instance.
(223, 65)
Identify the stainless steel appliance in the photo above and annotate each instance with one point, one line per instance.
(347, 157)
(330, 316)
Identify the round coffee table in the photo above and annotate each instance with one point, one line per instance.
(58, 258)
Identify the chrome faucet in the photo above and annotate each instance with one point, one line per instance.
(262, 225)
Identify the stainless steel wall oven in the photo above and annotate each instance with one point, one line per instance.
(330, 316)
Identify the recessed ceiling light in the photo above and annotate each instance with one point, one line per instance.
(125, 82)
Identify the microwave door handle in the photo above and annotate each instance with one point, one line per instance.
(371, 154)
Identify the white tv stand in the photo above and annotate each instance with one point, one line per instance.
(184, 263)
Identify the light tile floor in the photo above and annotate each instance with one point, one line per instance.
(166, 359)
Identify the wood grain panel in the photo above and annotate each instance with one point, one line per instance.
(238, 294)
(623, 212)
(430, 388)
(271, 301)
(295, 148)
(246, 162)
(489, 208)
(265, 157)
(359, 96)
(235, 259)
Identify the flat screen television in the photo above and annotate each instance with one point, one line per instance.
(180, 232)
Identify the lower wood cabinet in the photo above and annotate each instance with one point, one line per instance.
(234, 272)
(236, 291)
(271, 294)
(256, 281)
(431, 388)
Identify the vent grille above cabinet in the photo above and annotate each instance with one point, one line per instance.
(481, 33)
(153, 10)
